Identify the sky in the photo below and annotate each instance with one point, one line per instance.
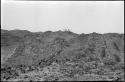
(78, 16)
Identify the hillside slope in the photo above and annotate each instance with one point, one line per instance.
(74, 55)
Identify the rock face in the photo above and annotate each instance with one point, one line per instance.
(78, 56)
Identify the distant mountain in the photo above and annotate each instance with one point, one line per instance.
(41, 49)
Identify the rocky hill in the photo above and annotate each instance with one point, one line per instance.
(61, 56)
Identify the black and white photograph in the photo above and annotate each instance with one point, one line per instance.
(56, 40)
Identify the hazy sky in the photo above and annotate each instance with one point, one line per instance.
(78, 16)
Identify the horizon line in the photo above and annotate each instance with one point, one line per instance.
(64, 30)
